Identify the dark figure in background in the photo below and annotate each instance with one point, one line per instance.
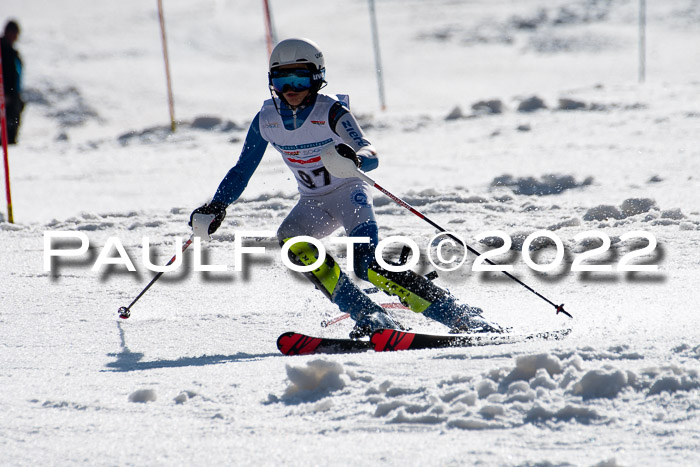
(12, 77)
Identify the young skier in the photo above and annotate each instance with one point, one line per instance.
(300, 123)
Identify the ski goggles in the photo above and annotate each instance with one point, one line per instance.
(295, 79)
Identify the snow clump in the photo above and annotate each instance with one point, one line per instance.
(601, 384)
(143, 395)
(317, 379)
(531, 104)
(488, 107)
(540, 389)
(550, 184)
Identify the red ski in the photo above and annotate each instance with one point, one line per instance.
(386, 340)
(294, 343)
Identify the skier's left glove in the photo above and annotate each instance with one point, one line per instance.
(349, 153)
(214, 213)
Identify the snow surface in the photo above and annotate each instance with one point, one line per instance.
(194, 376)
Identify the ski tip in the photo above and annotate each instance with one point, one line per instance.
(292, 343)
(285, 342)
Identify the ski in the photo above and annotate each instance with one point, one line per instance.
(386, 340)
(294, 343)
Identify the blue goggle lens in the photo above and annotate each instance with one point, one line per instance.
(296, 80)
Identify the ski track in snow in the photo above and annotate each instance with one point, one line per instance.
(194, 377)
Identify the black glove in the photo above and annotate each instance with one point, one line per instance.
(217, 209)
(349, 153)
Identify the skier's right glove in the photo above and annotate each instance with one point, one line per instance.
(215, 209)
(349, 153)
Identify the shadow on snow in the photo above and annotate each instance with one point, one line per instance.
(126, 360)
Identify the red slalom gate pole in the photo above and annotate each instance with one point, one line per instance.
(270, 35)
(6, 159)
(171, 104)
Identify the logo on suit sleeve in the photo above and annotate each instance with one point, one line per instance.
(359, 198)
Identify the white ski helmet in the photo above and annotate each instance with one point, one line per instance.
(296, 50)
(300, 51)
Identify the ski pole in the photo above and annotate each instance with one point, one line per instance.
(125, 311)
(340, 163)
(337, 319)
(390, 305)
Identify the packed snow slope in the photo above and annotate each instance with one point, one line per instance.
(501, 116)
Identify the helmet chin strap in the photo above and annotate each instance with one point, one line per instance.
(273, 94)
